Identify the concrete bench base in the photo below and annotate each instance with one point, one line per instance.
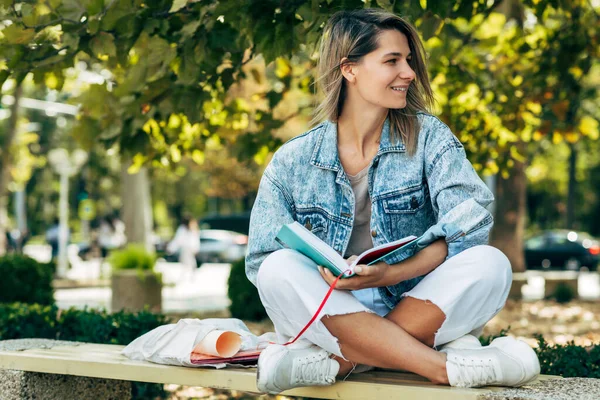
(22, 385)
(105, 363)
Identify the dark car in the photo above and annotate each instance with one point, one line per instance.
(562, 250)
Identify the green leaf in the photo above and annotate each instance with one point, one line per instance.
(93, 7)
(93, 25)
(71, 9)
(188, 30)
(116, 11)
(431, 25)
(103, 45)
(177, 5)
(28, 14)
(15, 34)
(385, 4)
(274, 98)
(4, 74)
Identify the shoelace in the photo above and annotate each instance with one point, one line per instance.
(474, 372)
(313, 368)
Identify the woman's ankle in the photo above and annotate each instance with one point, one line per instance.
(439, 374)
(345, 366)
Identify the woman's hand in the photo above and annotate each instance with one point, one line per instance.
(367, 276)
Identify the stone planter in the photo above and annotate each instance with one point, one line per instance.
(132, 290)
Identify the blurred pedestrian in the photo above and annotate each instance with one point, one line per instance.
(186, 243)
(52, 237)
(111, 234)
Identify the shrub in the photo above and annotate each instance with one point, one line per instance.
(25, 280)
(133, 256)
(569, 360)
(563, 293)
(486, 340)
(20, 321)
(245, 302)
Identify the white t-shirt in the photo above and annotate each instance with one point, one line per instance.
(360, 238)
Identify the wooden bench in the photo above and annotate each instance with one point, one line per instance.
(100, 361)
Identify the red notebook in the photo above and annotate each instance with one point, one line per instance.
(249, 357)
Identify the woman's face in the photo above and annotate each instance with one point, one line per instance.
(383, 76)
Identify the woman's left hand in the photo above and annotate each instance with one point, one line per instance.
(367, 276)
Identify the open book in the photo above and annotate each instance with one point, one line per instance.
(297, 237)
(223, 347)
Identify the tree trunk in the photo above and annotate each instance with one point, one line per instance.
(5, 162)
(572, 187)
(509, 227)
(137, 207)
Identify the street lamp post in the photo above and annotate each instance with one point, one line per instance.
(66, 166)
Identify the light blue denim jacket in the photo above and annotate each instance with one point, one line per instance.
(433, 194)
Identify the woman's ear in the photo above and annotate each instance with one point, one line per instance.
(348, 69)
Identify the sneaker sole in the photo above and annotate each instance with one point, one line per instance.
(528, 357)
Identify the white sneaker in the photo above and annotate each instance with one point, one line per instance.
(464, 342)
(505, 362)
(285, 367)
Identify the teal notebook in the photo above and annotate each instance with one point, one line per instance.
(297, 237)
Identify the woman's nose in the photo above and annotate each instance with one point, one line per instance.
(407, 73)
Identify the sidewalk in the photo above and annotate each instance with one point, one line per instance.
(202, 290)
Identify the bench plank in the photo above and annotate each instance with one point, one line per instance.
(105, 361)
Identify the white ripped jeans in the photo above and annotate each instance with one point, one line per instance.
(470, 288)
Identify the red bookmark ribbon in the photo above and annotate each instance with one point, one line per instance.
(318, 310)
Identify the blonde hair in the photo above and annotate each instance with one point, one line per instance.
(354, 34)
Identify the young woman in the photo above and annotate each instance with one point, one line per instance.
(380, 168)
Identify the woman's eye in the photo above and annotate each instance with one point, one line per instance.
(392, 61)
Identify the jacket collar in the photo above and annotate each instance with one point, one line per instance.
(325, 154)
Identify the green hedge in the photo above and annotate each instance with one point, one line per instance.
(23, 279)
(569, 360)
(245, 302)
(20, 321)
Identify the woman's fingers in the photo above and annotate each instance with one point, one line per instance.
(362, 270)
(326, 274)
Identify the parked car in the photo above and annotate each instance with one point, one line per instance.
(221, 246)
(562, 249)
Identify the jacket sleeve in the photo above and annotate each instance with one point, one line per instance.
(272, 209)
(458, 195)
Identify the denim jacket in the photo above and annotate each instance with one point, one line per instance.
(432, 194)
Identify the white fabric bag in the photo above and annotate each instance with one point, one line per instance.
(172, 344)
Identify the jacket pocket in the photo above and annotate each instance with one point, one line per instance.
(406, 212)
(408, 201)
(314, 219)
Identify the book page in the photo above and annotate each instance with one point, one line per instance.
(383, 250)
(219, 344)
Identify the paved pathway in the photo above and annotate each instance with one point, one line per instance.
(204, 289)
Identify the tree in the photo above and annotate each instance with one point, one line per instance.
(173, 63)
